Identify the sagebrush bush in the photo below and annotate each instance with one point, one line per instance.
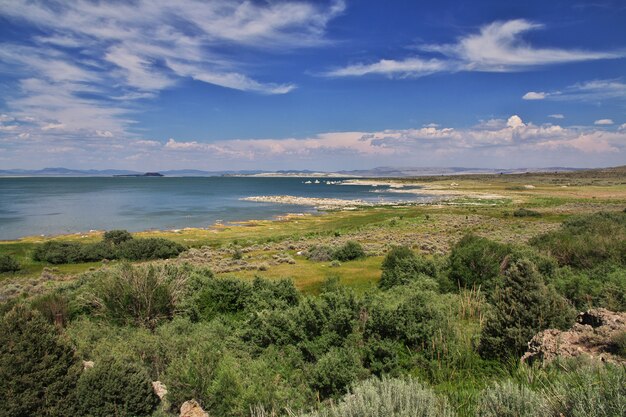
(38, 368)
(388, 398)
(8, 264)
(115, 388)
(587, 390)
(508, 399)
(320, 253)
(523, 212)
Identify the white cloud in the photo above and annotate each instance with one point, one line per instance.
(88, 61)
(532, 95)
(497, 47)
(556, 116)
(515, 121)
(622, 126)
(603, 122)
(411, 67)
(591, 91)
(498, 142)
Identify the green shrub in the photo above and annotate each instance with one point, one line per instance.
(320, 253)
(8, 264)
(523, 306)
(401, 266)
(336, 371)
(388, 398)
(507, 399)
(149, 248)
(142, 295)
(478, 262)
(115, 388)
(115, 237)
(38, 369)
(58, 252)
(95, 252)
(585, 241)
(349, 252)
(522, 212)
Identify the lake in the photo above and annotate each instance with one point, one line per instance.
(51, 206)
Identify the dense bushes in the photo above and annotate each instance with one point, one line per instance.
(116, 244)
(149, 248)
(401, 266)
(586, 241)
(38, 369)
(477, 262)
(347, 252)
(523, 306)
(115, 388)
(8, 264)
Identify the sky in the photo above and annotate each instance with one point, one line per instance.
(318, 84)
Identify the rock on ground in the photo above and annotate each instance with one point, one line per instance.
(592, 336)
(159, 389)
(191, 408)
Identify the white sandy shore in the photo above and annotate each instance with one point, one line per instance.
(325, 203)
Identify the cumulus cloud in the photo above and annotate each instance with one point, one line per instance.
(497, 142)
(603, 122)
(497, 47)
(532, 95)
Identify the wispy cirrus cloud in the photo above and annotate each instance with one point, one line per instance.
(497, 47)
(85, 64)
(595, 90)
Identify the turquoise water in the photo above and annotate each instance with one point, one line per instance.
(50, 206)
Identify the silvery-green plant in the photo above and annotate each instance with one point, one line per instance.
(388, 397)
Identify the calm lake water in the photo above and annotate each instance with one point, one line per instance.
(50, 206)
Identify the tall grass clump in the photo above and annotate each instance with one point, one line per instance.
(142, 295)
(388, 397)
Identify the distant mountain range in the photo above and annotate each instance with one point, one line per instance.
(375, 172)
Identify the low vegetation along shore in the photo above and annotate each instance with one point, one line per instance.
(506, 297)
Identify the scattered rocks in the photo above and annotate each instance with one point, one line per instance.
(191, 408)
(159, 389)
(592, 336)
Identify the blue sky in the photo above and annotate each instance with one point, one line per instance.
(153, 85)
